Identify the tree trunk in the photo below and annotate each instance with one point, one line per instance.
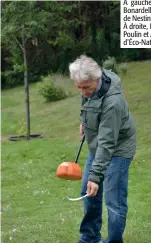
(26, 93)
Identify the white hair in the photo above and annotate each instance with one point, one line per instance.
(84, 68)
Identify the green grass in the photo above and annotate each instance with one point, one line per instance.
(34, 207)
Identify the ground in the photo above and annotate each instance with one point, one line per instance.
(34, 204)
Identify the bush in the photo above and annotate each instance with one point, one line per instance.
(123, 68)
(110, 63)
(51, 91)
(11, 79)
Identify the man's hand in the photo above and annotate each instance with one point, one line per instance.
(81, 130)
(92, 188)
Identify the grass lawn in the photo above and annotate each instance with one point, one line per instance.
(34, 207)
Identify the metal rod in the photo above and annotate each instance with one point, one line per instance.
(79, 150)
(78, 198)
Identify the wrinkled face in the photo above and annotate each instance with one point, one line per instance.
(87, 88)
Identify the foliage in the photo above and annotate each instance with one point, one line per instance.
(56, 32)
(51, 92)
(123, 68)
(11, 78)
(20, 29)
(110, 63)
(17, 23)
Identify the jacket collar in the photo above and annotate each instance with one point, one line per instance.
(106, 82)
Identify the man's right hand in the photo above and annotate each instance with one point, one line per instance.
(81, 130)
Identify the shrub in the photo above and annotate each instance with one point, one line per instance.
(11, 79)
(110, 63)
(51, 91)
(123, 68)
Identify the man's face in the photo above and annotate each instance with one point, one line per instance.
(87, 88)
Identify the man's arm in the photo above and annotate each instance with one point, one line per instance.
(107, 139)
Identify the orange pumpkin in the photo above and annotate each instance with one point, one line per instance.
(69, 171)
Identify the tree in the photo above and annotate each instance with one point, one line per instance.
(62, 30)
(21, 23)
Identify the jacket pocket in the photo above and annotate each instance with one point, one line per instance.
(90, 119)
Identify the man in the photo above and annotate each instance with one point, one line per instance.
(111, 137)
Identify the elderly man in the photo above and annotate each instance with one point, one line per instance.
(111, 137)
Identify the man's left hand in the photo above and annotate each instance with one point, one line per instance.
(92, 188)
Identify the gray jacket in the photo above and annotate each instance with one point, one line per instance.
(108, 126)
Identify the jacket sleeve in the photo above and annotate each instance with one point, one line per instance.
(107, 139)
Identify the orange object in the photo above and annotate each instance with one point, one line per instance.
(69, 171)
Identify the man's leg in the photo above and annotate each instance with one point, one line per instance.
(116, 188)
(92, 220)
